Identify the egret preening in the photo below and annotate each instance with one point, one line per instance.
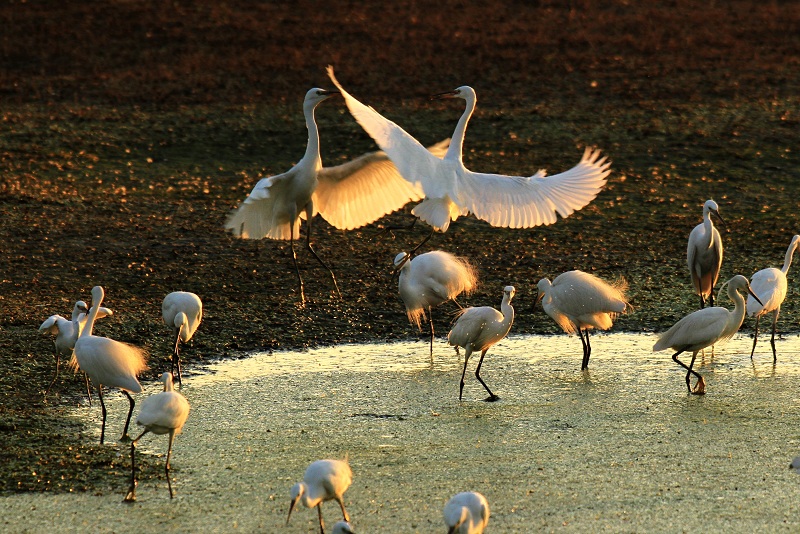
(578, 301)
(431, 279)
(347, 196)
(324, 480)
(108, 362)
(478, 329)
(66, 332)
(466, 513)
(704, 254)
(770, 285)
(452, 190)
(704, 328)
(162, 413)
(182, 311)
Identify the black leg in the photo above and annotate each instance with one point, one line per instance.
(103, 407)
(88, 389)
(702, 302)
(55, 376)
(125, 436)
(492, 397)
(166, 467)
(296, 268)
(131, 495)
(772, 341)
(430, 320)
(309, 213)
(467, 353)
(321, 522)
(399, 227)
(413, 250)
(585, 360)
(755, 337)
(700, 387)
(176, 358)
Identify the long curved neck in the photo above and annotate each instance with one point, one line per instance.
(456, 148)
(707, 223)
(787, 262)
(87, 328)
(312, 149)
(508, 312)
(737, 315)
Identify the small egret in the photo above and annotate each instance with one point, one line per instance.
(324, 480)
(431, 279)
(182, 311)
(347, 196)
(478, 329)
(578, 301)
(466, 513)
(704, 254)
(109, 362)
(704, 328)
(451, 190)
(162, 413)
(66, 332)
(342, 527)
(770, 285)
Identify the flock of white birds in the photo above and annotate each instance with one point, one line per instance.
(361, 191)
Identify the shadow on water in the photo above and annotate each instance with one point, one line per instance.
(621, 447)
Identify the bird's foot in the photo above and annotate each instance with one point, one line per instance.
(131, 496)
(125, 438)
(492, 398)
(700, 387)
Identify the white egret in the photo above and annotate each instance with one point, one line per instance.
(704, 254)
(347, 196)
(452, 190)
(109, 362)
(343, 527)
(478, 329)
(770, 285)
(324, 480)
(162, 413)
(704, 328)
(466, 513)
(66, 332)
(431, 279)
(578, 301)
(182, 311)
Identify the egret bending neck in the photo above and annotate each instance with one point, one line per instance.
(456, 148)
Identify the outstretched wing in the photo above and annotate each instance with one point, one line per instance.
(362, 190)
(415, 163)
(519, 202)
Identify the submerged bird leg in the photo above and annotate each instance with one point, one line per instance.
(166, 467)
(772, 341)
(103, 408)
(700, 388)
(308, 246)
(344, 512)
(755, 337)
(125, 436)
(296, 268)
(131, 495)
(467, 353)
(55, 376)
(492, 397)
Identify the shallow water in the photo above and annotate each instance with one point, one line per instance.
(622, 447)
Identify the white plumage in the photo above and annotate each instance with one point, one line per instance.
(452, 190)
(347, 196)
(162, 413)
(770, 285)
(67, 332)
(704, 328)
(704, 254)
(431, 279)
(477, 329)
(579, 301)
(182, 311)
(466, 513)
(108, 362)
(324, 480)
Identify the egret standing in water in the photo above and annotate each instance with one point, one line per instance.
(466, 513)
(451, 190)
(431, 279)
(704, 254)
(578, 301)
(182, 311)
(704, 328)
(347, 196)
(66, 332)
(162, 413)
(478, 329)
(324, 480)
(109, 362)
(770, 285)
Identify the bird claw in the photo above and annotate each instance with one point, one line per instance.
(700, 387)
(130, 497)
(491, 398)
